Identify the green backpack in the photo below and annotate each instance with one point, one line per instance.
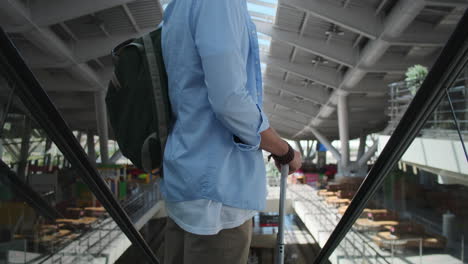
(137, 100)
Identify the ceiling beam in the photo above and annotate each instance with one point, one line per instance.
(435, 40)
(36, 58)
(92, 48)
(81, 115)
(400, 17)
(47, 41)
(327, 77)
(370, 86)
(278, 125)
(76, 102)
(366, 104)
(334, 51)
(287, 122)
(131, 18)
(421, 35)
(60, 82)
(365, 118)
(303, 106)
(447, 3)
(289, 114)
(313, 93)
(396, 64)
(56, 11)
(359, 19)
(345, 54)
(83, 50)
(396, 22)
(286, 112)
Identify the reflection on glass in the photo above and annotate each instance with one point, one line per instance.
(47, 213)
(420, 213)
(80, 226)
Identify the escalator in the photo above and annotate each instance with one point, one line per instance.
(32, 104)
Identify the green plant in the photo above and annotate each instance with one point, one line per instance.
(415, 76)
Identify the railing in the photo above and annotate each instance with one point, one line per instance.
(356, 246)
(400, 98)
(90, 245)
(139, 203)
(440, 124)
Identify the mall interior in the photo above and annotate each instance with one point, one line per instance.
(372, 93)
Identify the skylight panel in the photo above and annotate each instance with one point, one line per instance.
(261, 9)
(261, 17)
(265, 42)
(275, 2)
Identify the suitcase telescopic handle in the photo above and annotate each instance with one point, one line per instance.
(280, 235)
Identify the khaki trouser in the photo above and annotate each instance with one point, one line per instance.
(229, 246)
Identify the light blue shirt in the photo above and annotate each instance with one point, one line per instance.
(206, 217)
(211, 54)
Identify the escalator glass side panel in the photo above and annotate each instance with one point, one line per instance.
(418, 214)
(384, 194)
(40, 148)
(47, 213)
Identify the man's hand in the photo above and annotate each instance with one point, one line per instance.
(294, 165)
(274, 144)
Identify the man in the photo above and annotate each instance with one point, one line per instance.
(214, 173)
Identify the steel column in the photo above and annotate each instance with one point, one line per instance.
(362, 146)
(366, 157)
(343, 125)
(322, 139)
(465, 125)
(103, 130)
(2, 116)
(79, 136)
(1, 149)
(115, 157)
(300, 149)
(24, 151)
(310, 150)
(91, 150)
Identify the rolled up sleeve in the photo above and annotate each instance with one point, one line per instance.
(219, 27)
(264, 125)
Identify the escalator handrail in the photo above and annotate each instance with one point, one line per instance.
(443, 73)
(36, 100)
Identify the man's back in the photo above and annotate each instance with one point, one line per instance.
(211, 54)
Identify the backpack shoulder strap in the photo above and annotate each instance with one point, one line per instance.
(157, 89)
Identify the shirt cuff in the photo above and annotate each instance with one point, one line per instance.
(264, 125)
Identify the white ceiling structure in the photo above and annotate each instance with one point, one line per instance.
(67, 44)
(321, 50)
(314, 53)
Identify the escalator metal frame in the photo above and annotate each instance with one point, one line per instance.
(449, 64)
(36, 100)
